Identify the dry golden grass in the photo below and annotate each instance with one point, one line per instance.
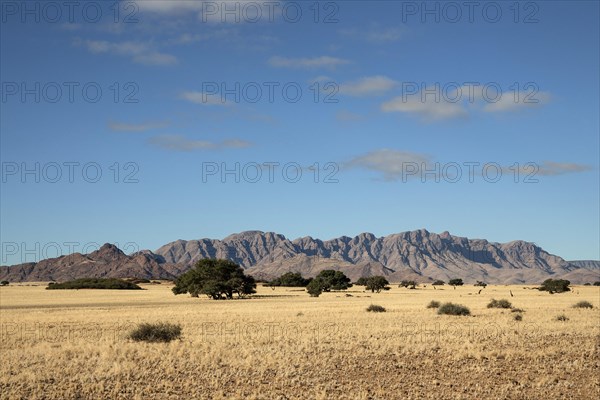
(283, 344)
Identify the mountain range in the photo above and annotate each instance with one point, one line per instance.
(416, 255)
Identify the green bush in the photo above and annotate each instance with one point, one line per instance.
(583, 304)
(561, 317)
(455, 282)
(159, 332)
(438, 283)
(4, 283)
(597, 283)
(376, 308)
(555, 286)
(362, 281)
(433, 304)
(480, 283)
(499, 304)
(453, 309)
(95, 283)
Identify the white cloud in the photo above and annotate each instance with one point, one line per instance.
(391, 163)
(139, 52)
(430, 107)
(308, 63)
(181, 143)
(372, 85)
(511, 101)
(204, 99)
(141, 127)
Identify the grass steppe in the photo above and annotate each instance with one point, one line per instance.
(283, 344)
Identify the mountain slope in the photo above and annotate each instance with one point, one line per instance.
(418, 255)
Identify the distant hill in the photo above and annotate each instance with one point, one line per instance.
(419, 255)
(588, 264)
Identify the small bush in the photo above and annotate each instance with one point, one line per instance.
(518, 317)
(4, 283)
(438, 283)
(376, 308)
(456, 282)
(583, 304)
(453, 309)
(159, 332)
(499, 304)
(561, 317)
(433, 304)
(597, 283)
(95, 283)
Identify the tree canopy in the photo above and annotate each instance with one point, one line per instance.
(328, 280)
(218, 279)
(290, 279)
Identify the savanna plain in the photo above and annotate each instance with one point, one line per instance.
(283, 344)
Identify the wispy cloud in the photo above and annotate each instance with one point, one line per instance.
(394, 165)
(140, 127)
(139, 52)
(170, 6)
(181, 143)
(431, 107)
(518, 101)
(206, 99)
(372, 85)
(307, 63)
(388, 162)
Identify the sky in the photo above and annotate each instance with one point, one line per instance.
(140, 123)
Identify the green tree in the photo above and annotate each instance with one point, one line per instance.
(4, 283)
(438, 283)
(408, 284)
(216, 279)
(376, 284)
(555, 285)
(456, 282)
(362, 281)
(328, 280)
(290, 279)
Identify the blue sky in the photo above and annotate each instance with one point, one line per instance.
(388, 91)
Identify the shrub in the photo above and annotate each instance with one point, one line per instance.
(433, 304)
(456, 282)
(518, 317)
(561, 317)
(290, 279)
(499, 304)
(438, 283)
(583, 304)
(555, 286)
(453, 309)
(480, 283)
(4, 283)
(376, 284)
(315, 288)
(159, 332)
(95, 283)
(519, 310)
(597, 283)
(587, 284)
(376, 308)
(137, 281)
